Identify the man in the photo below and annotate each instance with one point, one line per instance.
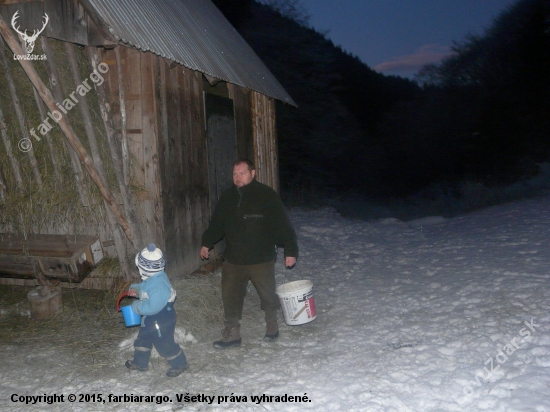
(253, 220)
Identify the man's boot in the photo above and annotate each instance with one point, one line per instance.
(271, 330)
(231, 337)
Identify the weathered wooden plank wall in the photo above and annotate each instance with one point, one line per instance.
(167, 143)
(165, 125)
(152, 207)
(265, 139)
(243, 120)
(142, 129)
(167, 138)
(185, 181)
(93, 224)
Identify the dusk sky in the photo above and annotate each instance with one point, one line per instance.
(400, 36)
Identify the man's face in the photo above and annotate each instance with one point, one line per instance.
(241, 175)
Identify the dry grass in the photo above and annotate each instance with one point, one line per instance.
(89, 325)
(199, 304)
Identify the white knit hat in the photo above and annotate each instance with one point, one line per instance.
(150, 261)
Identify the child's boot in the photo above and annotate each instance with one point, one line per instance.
(178, 364)
(141, 359)
(132, 366)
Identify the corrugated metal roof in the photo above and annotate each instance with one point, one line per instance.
(193, 33)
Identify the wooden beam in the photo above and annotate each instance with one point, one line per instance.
(65, 127)
(123, 123)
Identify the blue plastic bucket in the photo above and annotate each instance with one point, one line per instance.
(131, 318)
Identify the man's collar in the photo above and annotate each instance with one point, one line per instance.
(253, 182)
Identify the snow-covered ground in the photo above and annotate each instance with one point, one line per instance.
(430, 315)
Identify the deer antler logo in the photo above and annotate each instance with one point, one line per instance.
(29, 40)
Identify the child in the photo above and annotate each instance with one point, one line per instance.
(156, 304)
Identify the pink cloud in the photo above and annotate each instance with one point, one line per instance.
(429, 53)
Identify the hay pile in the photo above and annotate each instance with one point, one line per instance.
(199, 304)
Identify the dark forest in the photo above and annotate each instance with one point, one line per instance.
(480, 116)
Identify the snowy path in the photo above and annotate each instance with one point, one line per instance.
(414, 313)
(407, 316)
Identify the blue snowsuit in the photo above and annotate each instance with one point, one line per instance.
(158, 323)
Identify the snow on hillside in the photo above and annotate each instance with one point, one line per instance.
(431, 315)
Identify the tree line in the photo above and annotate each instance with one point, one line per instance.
(482, 114)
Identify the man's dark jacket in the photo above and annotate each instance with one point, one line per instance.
(253, 220)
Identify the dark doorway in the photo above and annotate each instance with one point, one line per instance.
(220, 133)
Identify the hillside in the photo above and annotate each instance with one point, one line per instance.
(340, 99)
(480, 116)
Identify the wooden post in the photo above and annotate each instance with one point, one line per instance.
(20, 116)
(257, 137)
(45, 302)
(163, 115)
(274, 149)
(264, 139)
(152, 206)
(65, 127)
(120, 244)
(123, 131)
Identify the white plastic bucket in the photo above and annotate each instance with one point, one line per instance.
(297, 302)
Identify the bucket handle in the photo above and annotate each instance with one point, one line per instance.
(122, 295)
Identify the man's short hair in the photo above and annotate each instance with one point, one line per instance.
(245, 160)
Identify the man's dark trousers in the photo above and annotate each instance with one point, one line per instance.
(234, 284)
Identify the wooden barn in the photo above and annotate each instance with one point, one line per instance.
(120, 121)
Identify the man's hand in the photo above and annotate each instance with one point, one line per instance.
(205, 254)
(132, 292)
(290, 261)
